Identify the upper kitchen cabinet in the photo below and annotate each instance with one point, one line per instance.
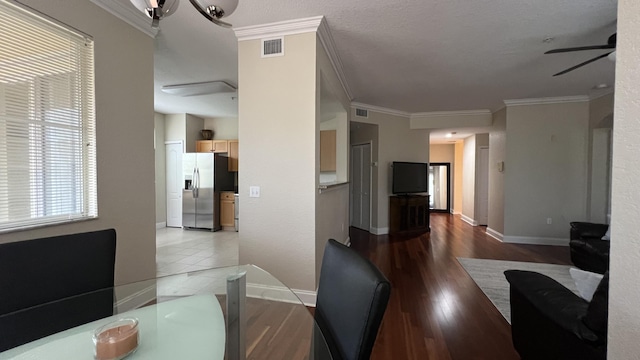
(215, 146)
(333, 128)
(233, 155)
(328, 150)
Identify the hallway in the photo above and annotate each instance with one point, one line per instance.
(436, 311)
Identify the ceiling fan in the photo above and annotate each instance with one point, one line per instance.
(611, 44)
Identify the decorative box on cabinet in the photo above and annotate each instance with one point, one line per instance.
(408, 214)
(227, 210)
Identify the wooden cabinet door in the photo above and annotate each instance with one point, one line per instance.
(227, 212)
(204, 146)
(328, 150)
(233, 155)
(220, 146)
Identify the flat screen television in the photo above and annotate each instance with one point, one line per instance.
(409, 177)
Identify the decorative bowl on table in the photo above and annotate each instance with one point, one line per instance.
(116, 340)
(206, 134)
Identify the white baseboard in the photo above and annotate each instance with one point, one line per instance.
(535, 240)
(494, 234)
(161, 225)
(281, 294)
(348, 241)
(468, 220)
(136, 299)
(379, 231)
(456, 212)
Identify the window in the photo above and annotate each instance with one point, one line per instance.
(47, 121)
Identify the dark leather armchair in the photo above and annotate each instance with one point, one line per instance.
(40, 280)
(588, 251)
(352, 298)
(549, 322)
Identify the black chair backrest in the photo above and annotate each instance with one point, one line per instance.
(36, 274)
(352, 298)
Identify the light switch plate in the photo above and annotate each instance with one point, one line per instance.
(254, 191)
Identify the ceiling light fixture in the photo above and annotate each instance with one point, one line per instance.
(448, 135)
(202, 88)
(214, 10)
(156, 9)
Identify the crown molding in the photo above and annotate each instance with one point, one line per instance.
(379, 109)
(128, 14)
(450, 113)
(281, 28)
(549, 100)
(601, 94)
(326, 39)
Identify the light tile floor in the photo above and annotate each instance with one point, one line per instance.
(180, 251)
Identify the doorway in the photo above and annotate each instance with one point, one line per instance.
(361, 186)
(440, 187)
(174, 182)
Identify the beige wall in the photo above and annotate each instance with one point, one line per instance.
(469, 178)
(124, 136)
(160, 173)
(192, 131)
(599, 151)
(224, 128)
(546, 171)
(442, 153)
(176, 127)
(497, 153)
(362, 133)
(396, 142)
(624, 316)
(457, 177)
(277, 124)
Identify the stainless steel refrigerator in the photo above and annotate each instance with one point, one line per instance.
(205, 176)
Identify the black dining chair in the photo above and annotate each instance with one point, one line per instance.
(52, 284)
(352, 298)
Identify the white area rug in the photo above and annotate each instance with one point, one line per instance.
(489, 276)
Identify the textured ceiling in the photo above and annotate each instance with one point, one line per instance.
(413, 56)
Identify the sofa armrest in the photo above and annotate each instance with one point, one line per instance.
(587, 230)
(553, 302)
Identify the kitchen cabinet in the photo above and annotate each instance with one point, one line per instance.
(215, 146)
(233, 155)
(227, 210)
(328, 150)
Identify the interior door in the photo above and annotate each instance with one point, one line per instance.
(361, 186)
(173, 162)
(440, 187)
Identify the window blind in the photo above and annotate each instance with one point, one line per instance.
(47, 121)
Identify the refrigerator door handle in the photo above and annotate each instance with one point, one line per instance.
(194, 184)
(198, 177)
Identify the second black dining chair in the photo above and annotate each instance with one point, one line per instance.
(352, 298)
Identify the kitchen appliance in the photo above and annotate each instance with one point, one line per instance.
(205, 176)
(236, 210)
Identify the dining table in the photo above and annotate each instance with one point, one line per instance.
(236, 312)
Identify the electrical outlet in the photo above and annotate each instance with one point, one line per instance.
(549, 221)
(254, 191)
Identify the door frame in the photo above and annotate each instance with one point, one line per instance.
(370, 143)
(448, 165)
(171, 142)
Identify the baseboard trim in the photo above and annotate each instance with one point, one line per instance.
(456, 212)
(468, 220)
(135, 300)
(532, 240)
(348, 241)
(281, 294)
(494, 234)
(161, 225)
(379, 231)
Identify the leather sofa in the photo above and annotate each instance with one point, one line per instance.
(548, 321)
(588, 251)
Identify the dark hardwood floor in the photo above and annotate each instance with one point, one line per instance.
(436, 310)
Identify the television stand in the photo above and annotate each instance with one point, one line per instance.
(408, 214)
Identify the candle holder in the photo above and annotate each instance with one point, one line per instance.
(116, 340)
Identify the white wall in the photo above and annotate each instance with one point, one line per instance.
(546, 171)
(176, 127)
(458, 188)
(396, 142)
(160, 173)
(624, 291)
(124, 137)
(599, 152)
(277, 124)
(469, 179)
(497, 153)
(224, 128)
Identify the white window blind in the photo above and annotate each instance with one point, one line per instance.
(47, 121)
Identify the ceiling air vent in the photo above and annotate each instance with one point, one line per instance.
(362, 113)
(273, 47)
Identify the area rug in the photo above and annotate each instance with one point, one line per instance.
(489, 276)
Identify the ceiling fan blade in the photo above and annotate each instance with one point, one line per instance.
(582, 48)
(583, 64)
